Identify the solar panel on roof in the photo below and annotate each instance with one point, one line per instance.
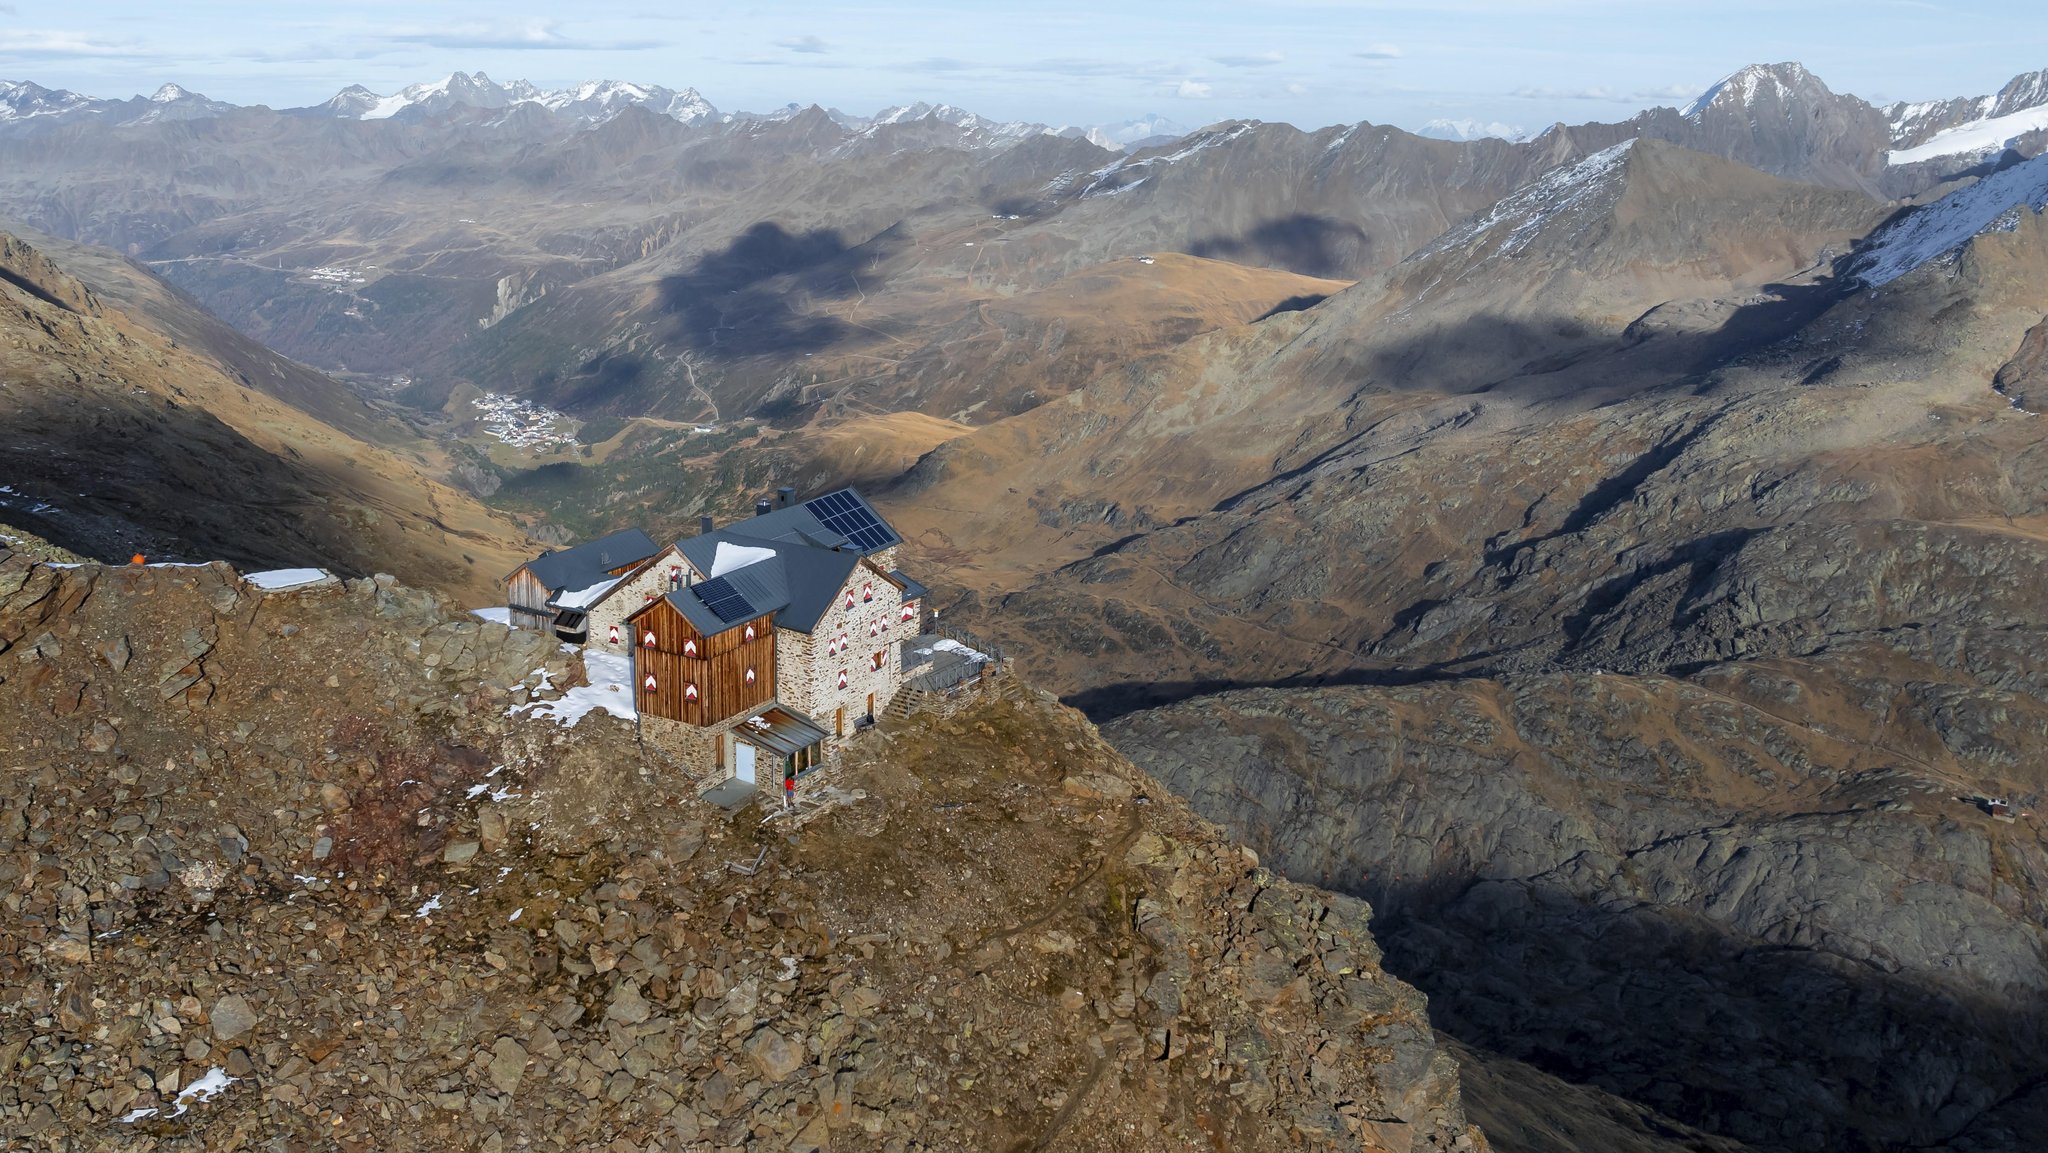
(721, 598)
(844, 514)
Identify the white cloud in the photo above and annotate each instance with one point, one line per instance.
(1380, 52)
(531, 36)
(1193, 90)
(1250, 60)
(1297, 89)
(51, 43)
(804, 44)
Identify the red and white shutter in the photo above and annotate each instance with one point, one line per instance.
(614, 638)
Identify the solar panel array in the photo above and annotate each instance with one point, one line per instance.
(728, 602)
(843, 513)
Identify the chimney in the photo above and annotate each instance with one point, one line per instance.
(763, 507)
(785, 493)
(704, 525)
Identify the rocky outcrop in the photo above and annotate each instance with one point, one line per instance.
(343, 898)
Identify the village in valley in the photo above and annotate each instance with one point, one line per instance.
(748, 654)
(524, 424)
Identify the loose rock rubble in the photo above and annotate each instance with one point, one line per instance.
(322, 891)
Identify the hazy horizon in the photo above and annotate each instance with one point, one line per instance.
(1306, 62)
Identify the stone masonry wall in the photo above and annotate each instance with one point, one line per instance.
(807, 668)
(694, 750)
(627, 599)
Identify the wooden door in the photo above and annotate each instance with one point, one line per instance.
(871, 706)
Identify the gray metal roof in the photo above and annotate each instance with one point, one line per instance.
(817, 545)
(591, 562)
(797, 584)
(842, 519)
(911, 589)
(781, 730)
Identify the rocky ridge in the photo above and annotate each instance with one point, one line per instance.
(284, 867)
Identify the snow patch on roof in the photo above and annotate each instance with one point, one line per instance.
(583, 598)
(732, 557)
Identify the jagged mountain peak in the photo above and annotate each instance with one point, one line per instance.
(1744, 88)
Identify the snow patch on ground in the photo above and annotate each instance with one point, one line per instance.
(499, 614)
(1990, 205)
(1201, 142)
(949, 645)
(432, 906)
(1558, 192)
(1975, 138)
(610, 689)
(205, 1089)
(285, 578)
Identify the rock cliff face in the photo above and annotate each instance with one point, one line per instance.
(1697, 895)
(281, 866)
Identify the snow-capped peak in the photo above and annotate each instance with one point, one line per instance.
(591, 102)
(1745, 87)
(168, 93)
(1984, 126)
(1473, 130)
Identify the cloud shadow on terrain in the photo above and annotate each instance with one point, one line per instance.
(1304, 242)
(739, 301)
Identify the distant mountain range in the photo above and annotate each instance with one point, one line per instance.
(28, 106)
(1907, 133)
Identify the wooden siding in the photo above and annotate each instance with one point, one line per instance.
(528, 600)
(719, 670)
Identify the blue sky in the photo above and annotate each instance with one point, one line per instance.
(1310, 62)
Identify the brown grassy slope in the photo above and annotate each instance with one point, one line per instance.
(143, 443)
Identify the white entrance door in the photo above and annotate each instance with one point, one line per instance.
(743, 762)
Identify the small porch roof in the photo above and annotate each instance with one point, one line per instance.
(780, 730)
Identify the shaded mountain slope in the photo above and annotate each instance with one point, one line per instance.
(122, 439)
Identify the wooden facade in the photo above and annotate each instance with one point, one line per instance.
(718, 670)
(528, 599)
